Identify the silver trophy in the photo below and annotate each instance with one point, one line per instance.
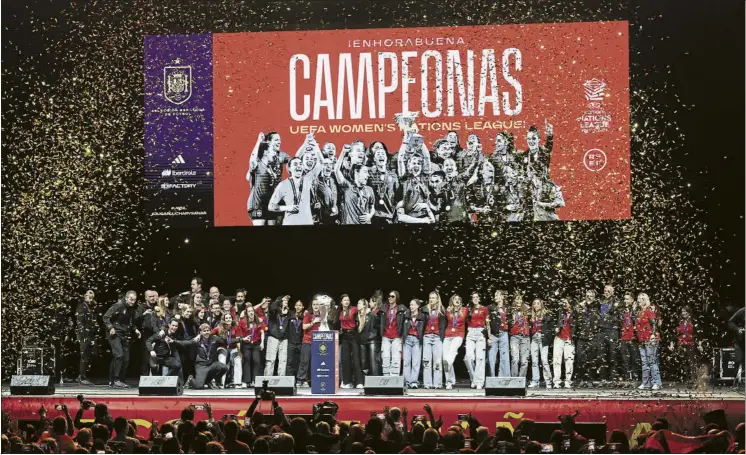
(325, 303)
(407, 122)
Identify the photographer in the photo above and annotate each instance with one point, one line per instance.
(101, 415)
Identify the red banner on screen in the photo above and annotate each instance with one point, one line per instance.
(344, 85)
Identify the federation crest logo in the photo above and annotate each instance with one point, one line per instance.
(177, 83)
(594, 89)
(322, 349)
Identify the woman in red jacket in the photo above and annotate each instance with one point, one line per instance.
(646, 327)
(685, 347)
(232, 332)
(252, 332)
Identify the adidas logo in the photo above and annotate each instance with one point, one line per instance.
(178, 160)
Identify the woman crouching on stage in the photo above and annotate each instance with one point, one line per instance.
(542, 334)
(352, 374)
(252, 333)
(435, 330)
(370, 327)
(519, 338)
(228, 355)
(414, 330)
(311, 323)
(476, 341)
(455, 327)
(646, 326)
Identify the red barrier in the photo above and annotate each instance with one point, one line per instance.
(633, 416)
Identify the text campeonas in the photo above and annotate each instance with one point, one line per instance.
(353, 89)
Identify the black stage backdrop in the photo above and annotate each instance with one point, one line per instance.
(73, 182)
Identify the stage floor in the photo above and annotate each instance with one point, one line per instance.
(669, 391)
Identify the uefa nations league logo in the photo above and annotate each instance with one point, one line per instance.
(594, 89)
(177, 82)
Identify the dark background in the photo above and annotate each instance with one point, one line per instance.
(685, 243)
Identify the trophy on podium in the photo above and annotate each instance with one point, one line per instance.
(407, 122)
(324, 305)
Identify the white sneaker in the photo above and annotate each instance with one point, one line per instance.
(568, 385)
(473, 386)
(359, 386)
(449, 386)
(642, 387)
(656, 387)
(533, 384)
(346, 386)
(549, 385)
(414, 385)
(479, 387)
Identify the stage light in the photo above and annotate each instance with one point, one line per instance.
(186, 240)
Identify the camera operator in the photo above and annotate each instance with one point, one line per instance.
(100, 414)
(120, 322)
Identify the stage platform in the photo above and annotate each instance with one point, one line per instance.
(625, 408)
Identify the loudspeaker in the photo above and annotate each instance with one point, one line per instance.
(160, 386)
(591, 430)
(505, 387)
(726, 364)
(280, 385)
(31, 385)
(384, 385)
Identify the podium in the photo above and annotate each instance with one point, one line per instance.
(324, 362)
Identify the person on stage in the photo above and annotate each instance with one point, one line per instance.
(252, 343)
(455, 330)
(520, 333)
(352, 373)
(295, 338)
(119, 320)
(209, 369)
(188, 296)
(648, 336)
(476, 341)
(370, 325)
(686, 348)
(265, 172)
(228, 307)
(292, 197)
(188, 329)
(311, 323)
(542, 335)
(240, 302)
(278, 326)
(144, 320)
(231, 331)
(414, 330)
(499, 339)
(357, 200)
(85, 329)
(163, 352)
(564, 347)
(393, 332)
(586, 332)
(607, 344)
(432, 351)
(385, 184)
(627, 338)
(198, 301)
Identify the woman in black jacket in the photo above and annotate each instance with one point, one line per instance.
(370, 327)
(352, 374)
(414, 330)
